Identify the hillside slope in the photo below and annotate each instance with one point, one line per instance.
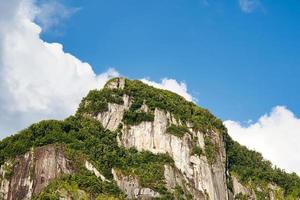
(132, 141)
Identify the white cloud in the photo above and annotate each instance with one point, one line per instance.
(38, 80)
(249, 6)
(172, 85)
(275, 135)
(50, 13)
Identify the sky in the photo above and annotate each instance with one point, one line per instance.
(239, 59)
(231, 58)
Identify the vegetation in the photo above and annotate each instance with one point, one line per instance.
(107, 197)
(78, 185)
(210, 149)
(261, 195)
(196, 150)
(241, 196)
(85, 138)
(136, 117)
(9, 171)
(178, 131)
(149, 168)
(181, 194)
(54, 189)
(186, 111)
(97, 101)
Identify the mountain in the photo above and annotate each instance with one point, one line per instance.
(132, 141)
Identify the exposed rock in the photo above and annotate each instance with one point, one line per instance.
(29, 174)
(131, 187)
(5, 171)
(205, 178)
(195, 172)
(238, 189)
(113, 117)
(144, 108)
(78, 194)
(274, 192)
(152, 136)
(49, 163)
(175, 178)
(116, 83)
(91, 168)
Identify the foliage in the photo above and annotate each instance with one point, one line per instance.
(85, 138)
(196, 150)
(140, 93)
(106, 197)
(74, 185)
(210, 150)
(178, 131)
(149, 168)
(136, 117)
(182, 194)
(186, 111)
(179, 193)
(9, 170)
(55, 189)
(108, 83)
(97, 101)
(90, 183)
(250, 166)
(241, 196)
(261, 195)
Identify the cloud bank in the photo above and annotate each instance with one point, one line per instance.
(276, 135)
(51, 13)
(38, 80)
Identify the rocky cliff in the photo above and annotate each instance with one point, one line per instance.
(27, 175)
(132, 141)
(201, 179)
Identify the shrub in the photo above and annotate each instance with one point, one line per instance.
(241, 196)
(136, 117)
(210, 150)
(97, 101)
(178, 131)
(84, 138)
(196, 151)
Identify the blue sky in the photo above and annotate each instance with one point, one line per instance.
(237, 64)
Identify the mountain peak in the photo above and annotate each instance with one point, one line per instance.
(115, 83)
(131, 140)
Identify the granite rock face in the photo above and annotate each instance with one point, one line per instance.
(30, 173)
(113, 117)
(195, 173)
(200, 176)
(239, 189)
(205, 180)
(132, 188)
(272, 191)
